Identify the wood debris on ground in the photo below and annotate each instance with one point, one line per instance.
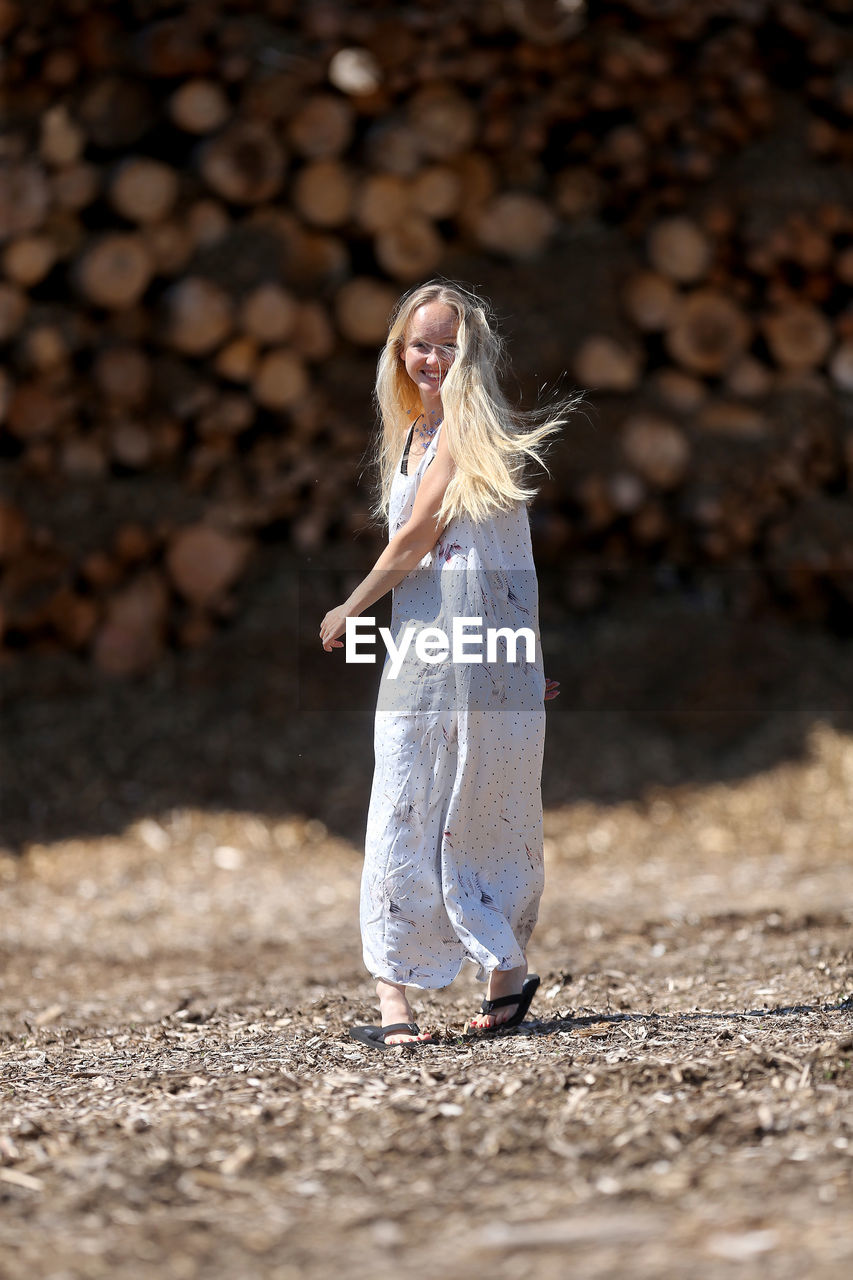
(179, 1095)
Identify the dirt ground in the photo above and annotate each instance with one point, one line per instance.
(178, 1093)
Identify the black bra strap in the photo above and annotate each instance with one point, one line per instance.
(409, 443)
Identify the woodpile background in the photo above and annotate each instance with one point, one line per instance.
(207, 211)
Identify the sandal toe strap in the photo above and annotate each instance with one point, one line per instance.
(500, 1002)
(400, 1028)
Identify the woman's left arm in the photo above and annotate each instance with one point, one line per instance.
(406, 549)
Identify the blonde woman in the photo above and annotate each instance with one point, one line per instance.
(453, 860)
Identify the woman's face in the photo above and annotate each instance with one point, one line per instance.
(430, 349)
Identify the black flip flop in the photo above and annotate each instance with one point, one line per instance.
(523, 999)
(374, 1037)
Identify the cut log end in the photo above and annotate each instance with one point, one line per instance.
(204, 563)
(245, 164)
(199, 316)
(709, 332)
(657, 449)
(115, 272)
(679, 250)
(606, 364)
(362, 309)
(199, 106)
(515, 225)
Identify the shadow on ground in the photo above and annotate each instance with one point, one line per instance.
(658, 691)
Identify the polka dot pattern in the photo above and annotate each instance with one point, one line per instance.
(453, 866)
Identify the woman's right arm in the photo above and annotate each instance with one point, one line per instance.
(406, 549)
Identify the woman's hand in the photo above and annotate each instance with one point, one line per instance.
(552, 689)
(333, 625)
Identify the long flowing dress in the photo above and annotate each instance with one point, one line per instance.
(453, 864)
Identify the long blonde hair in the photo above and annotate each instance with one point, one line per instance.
(490, 442)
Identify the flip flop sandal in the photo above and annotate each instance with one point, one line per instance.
(523, 999)
(374, 1037)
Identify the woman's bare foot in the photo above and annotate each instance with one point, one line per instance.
(502, 982)
(395, 1007)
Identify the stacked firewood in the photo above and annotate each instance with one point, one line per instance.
(730, 445)
(207, 213)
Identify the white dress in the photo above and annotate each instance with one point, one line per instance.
(453, 854)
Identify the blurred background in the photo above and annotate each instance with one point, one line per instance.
(206, 213)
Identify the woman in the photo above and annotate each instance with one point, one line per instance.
(453, 860)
